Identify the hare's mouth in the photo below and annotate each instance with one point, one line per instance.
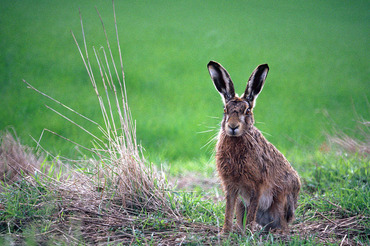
(233, 131)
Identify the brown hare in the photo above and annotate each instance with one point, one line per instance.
(259, 183)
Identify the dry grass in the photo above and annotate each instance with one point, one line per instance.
(117, 167)
(326, 230)
(350, 144)
(113, 224)
(93, 214)
(15, 159)
(117, 187)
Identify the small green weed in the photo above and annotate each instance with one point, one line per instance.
(343, 180)
(199, 207)
(24, 204)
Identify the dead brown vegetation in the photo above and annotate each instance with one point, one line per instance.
(15, 159)
(353, 145)
(357, 141)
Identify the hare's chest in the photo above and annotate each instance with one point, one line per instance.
(228, 168)
(238, 167)
(236, 160)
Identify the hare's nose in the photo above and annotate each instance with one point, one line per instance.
(233, 128)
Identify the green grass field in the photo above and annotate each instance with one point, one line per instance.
(317, 53)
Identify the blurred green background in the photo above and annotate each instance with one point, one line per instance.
(318, 53)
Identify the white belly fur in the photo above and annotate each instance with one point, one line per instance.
(265, 200)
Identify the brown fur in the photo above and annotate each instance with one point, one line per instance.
(258, 181)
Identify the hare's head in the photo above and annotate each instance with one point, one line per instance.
(238, 117)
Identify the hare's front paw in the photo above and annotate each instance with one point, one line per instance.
(253, 227)
(283, 230)
(225, 231)
(240, 230)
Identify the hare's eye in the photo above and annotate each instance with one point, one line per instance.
(225, 110)
(248, 111)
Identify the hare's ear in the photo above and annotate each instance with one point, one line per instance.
(255, 84)
(221, 80)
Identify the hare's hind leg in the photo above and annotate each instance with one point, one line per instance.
(276, 214)
(290, 208)
(265, 219)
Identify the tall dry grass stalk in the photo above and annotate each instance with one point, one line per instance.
(118, 168)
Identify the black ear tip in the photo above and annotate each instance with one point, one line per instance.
(264, 66)
(212, 63)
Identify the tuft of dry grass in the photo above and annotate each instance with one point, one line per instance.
(94, 214)
(350, 144)
(331, 227)
(327, 230)
(115, 189)
(353, 145)
(16, 160)
(117, 168)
